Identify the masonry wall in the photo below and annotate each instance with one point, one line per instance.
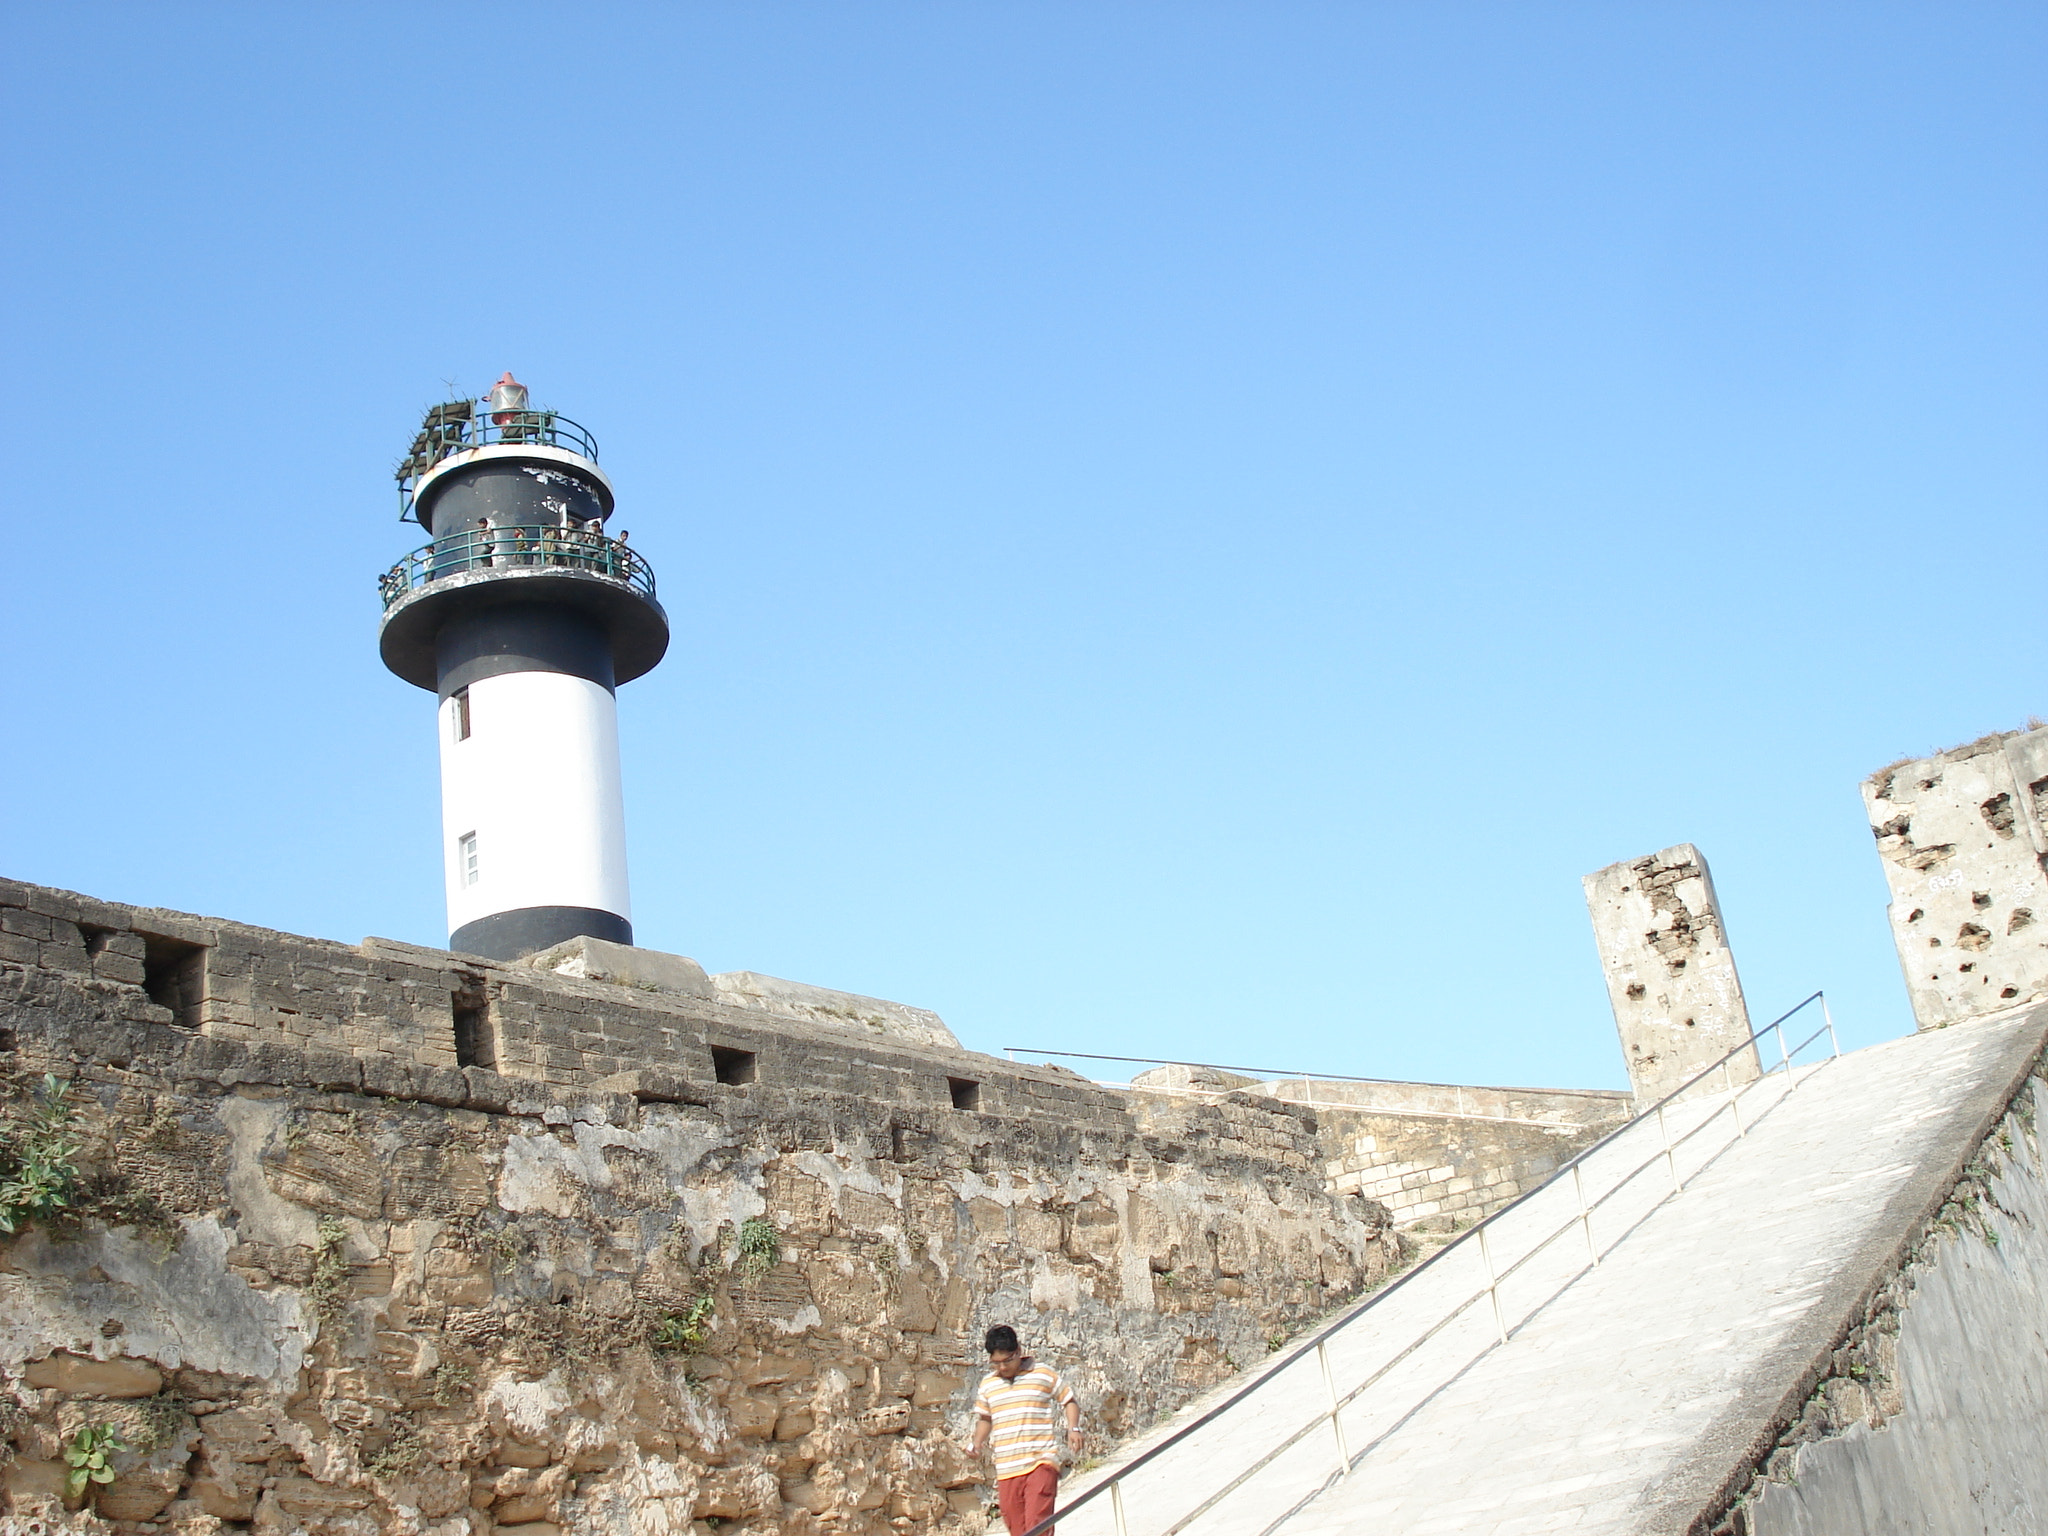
(370, 1290)
(1438, 1152)
(1962, 839)
(394, 1007)
(1932, 1424)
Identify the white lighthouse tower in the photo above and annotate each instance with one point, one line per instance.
(523, 615)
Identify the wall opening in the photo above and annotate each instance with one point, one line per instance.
(174, 976)
(966, 1092)
(458, 713)
(730, 1066)
(476, 1045)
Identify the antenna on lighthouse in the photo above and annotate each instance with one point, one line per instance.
(522, 616)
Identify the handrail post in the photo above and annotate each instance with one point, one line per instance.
(1116, 1504)
(1784, 1056)
(1825, 1013)
(1500, 1323)
(1670, 1157)
(1336, 1419)
(1585, 1216)
(1734, 1097)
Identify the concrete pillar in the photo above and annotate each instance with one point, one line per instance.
(1961, 838)
(1670, 975)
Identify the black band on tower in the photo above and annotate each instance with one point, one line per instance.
(529, 930)
(510, 494)
(521, 637)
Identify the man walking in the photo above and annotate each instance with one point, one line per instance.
(1014, 1415)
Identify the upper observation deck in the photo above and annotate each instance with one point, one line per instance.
(516, 506)
(465, 432)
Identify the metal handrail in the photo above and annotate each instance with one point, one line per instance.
(462, 425)
(1478, 1234)
(519, 547)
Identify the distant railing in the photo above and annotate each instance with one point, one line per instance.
(462, 425)
(522, 547)
(1480, 1235)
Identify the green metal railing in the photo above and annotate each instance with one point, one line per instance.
(525, 547)
(461, 425)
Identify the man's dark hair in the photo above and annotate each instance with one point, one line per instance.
(1000, 1340)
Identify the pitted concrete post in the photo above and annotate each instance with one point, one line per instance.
(1670, 975)
(1962, 840)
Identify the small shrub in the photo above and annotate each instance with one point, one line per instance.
(684, 1332)
(504, 1246)
(161, 1128)
(161, 1418)
(760, 1247)
(113, 1199)
(88, 1457)
(453, 1383)
(328, 1289)
(38, 1158)
(403, 1451)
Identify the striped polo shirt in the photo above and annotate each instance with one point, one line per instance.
(1026, 1415)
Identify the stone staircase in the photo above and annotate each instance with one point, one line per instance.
(1641, 1394)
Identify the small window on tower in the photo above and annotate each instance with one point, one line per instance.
(459, 713)
(465, 853)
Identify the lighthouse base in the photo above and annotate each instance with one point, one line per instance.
(527, 930)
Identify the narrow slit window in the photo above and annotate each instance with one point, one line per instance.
(474, 1043)
(465, 855)
(458, 713)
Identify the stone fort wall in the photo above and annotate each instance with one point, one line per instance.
(380, 1238)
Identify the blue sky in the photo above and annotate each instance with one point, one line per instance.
(1189, 527)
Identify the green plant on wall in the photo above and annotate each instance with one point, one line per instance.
(158, 1421)
(403, 1451)
(454, 1382)
(88, 1456)
(684, 1332)
(38, 1158)
(329, 1288)
(760, 1247)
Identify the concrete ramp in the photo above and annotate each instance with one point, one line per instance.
(1639, 1395)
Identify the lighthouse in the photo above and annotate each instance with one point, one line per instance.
(522, 615)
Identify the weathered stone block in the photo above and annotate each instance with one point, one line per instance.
(214, 1059)
(1962, 836)
(27, 924)
(870, 1016)
(64, 1372)
(1670, 974)
(658, 1085)
(505, 1095)
(118, 968)
(626, 966)
(25, 1478)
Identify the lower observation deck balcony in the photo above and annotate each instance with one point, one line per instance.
(543, 563)
(516, 548)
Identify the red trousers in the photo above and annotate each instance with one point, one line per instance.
(1028, 1499)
